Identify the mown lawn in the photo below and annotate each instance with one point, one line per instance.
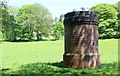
(45, 57)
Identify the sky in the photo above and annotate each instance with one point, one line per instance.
(58, 7)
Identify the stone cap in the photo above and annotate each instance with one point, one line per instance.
(81, 16)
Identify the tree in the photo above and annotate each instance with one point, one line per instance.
(107, 15)
(61, 18)
(118, 8)
(12, 10)
(34, 18)
(58, 30)
(8, 23)
(0, 22)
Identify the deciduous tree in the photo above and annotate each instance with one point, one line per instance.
(34, 18)
(107, 15)
(8, 23)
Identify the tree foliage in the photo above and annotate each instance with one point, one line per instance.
(58, 30)
(118, 8)
(34, 21)
(0, 22)
(107, 14)
(34, 18)
(8, 23)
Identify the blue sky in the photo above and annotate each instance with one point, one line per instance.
(58, 7)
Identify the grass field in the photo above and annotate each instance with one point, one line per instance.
(49, 54)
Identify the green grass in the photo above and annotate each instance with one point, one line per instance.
(18, 53)
(108, 50)
(46, 56)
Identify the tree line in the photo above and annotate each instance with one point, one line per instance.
(109, 20)
(33, 22)
(30, 22)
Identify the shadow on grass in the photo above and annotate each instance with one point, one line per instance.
(31, 40)
(58, 68)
